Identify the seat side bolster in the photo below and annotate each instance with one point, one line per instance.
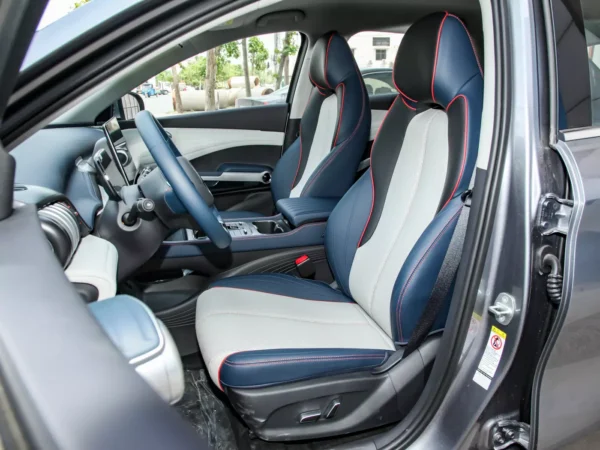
(262, 368)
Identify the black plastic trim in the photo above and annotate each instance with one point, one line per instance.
(366, 400)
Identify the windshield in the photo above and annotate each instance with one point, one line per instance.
(65, 20)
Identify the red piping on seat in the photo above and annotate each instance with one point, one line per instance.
(437, 48)
(407, 105)
(219, 371)
(465, 138)
(314, 82)
(326, 58)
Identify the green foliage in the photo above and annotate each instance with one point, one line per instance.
(290, 47)
(258, 55)
(166, 76)
(228, 70)
(231, 50)
(80, 3)
(194, 73)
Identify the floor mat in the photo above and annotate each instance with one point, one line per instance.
(206, 412)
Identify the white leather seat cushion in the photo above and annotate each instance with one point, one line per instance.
(230, 320)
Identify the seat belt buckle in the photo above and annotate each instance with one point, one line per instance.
(305, 267)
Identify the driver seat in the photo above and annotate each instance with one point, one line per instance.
(323, 160)
(300, 359)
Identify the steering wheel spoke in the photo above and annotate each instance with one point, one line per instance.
(183, 178)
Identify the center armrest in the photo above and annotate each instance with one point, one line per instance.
(301, 210)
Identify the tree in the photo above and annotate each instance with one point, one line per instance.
(245, 65)
(216, 65)
(211, 79)
(258, 55)
(195, 72)
(176, 94)
(289, 48)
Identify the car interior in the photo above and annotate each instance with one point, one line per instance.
(266, 269)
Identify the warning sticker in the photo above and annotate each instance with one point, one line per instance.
(491, 358)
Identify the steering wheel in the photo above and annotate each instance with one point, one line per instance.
(185, 181)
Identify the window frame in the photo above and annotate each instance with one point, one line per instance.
(377, 51)
(387, 44)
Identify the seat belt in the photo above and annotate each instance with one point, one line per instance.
(444, 280)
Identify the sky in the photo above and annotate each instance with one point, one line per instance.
(55, 10)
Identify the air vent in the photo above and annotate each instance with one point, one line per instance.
(62, 231)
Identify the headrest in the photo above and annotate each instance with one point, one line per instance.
(436, 58)
(332, 62)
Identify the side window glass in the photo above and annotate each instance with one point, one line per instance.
(577, 40)
(250, 72)
(375, 53)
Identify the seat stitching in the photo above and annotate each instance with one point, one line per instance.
(278, 316)
(373, 325)
(307, 359)
(315, 83)
(437, 48)
(401, 298)
(282, 295)
(326, 60)
(407, 105)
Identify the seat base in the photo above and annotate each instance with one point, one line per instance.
(365, 400)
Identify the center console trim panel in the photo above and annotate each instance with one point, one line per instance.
(304, 236)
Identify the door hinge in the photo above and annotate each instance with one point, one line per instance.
(505, 433)
(554, 216)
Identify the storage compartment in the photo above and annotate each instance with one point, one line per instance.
(271, 226)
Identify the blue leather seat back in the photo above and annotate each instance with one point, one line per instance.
(334, 130)
(388, 236)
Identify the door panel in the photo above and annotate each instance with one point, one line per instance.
(198, 143)
(221, 141)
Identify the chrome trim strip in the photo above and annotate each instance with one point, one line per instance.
(253, 177)
(581, 133)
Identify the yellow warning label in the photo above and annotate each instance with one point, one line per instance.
(499, 332)
(490, 360)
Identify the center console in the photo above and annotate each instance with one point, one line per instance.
(243, 228)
